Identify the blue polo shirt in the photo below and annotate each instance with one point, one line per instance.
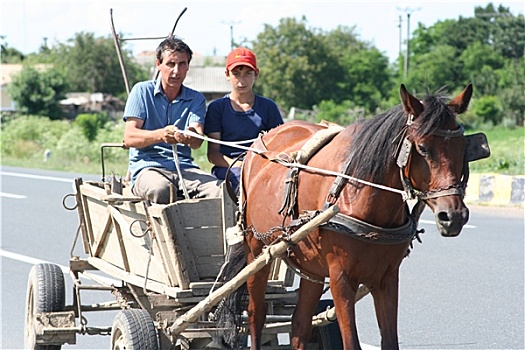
(147, 101)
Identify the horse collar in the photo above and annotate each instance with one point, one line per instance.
(369, 233)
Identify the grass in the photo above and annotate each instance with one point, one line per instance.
(507, 152)
(507, 157)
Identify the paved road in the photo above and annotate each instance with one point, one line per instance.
(455, 293)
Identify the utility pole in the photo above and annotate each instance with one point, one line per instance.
(400, 35)
(231, 24)
(408, 11)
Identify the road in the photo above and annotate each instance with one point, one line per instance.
(455, 293)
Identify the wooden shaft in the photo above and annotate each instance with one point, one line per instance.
(262, 260)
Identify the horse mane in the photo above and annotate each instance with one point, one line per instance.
(379, 136)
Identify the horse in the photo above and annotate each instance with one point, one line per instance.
(415, 150)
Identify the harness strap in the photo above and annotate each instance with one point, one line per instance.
(337, 187)
(290, 193)
(369, 233)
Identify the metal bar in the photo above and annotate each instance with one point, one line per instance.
(173, 32)
(94, 287)
(119, 52)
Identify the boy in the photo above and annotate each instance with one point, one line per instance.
(238, 116)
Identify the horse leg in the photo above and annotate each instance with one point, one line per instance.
(309, 295)
(343, 292)
(256, 285)
(386, 304)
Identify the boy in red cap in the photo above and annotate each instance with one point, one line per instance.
(238, 116)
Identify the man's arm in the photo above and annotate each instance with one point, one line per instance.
(192, 142)
(135, 136)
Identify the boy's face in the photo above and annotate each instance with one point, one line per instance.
(242, 78)
(173, 68)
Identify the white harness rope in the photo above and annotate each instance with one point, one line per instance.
(297, 165)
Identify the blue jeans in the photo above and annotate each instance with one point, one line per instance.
(234, 175)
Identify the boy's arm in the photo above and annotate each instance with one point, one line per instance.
(214, 155)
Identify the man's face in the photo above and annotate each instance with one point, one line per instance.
(173, 69)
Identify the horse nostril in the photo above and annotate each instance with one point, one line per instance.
(443, 216)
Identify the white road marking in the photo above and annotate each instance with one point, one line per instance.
(38, 177)
(65, 269)
(12, 195)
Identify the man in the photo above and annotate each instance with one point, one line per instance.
(241, 115)
(155, 114)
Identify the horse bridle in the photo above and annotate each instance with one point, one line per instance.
(476, 148)
(403, 156)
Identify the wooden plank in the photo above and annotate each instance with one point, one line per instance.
(175, 223)
(118, 230)
(98, 244)
(83, 225)
(204, 234)
(229, 208)
(202, 213)
(172, 256)
(134, 279)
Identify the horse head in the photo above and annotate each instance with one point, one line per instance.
(432, 159)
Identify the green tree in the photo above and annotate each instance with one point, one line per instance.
(367, 78)
(435, 69)
(512, 90)
(344, 113)
(303, 66)
(506, 32)
(9, 54)
(92, 65)
(39, 92)
(297, 67)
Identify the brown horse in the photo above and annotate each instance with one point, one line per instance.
(415, 150)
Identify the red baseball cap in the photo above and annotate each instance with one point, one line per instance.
(241, 57)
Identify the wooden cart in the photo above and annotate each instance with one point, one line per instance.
(166, 259)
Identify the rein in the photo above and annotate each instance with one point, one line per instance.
(290, 163)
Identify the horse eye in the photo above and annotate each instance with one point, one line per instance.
(422, 150)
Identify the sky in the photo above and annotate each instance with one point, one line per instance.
(206, 25)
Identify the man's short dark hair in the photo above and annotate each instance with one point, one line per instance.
(174, 44)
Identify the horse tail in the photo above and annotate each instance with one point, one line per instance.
(228, 313)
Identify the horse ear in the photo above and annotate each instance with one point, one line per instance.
(459, 104)
(411, 105)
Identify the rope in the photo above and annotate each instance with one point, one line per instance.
(297, 165)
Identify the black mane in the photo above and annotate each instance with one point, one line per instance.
(374, 145)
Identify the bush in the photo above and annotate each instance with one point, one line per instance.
(40, 131)
(489, 109)
(90, 124)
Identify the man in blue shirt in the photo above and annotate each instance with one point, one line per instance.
(155, 114)
(241, 115)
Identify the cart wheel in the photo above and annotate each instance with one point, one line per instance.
(45, 293)
(133, 329)
(329, 336)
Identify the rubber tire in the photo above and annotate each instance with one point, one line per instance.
(45, 293)
(133, 329)
(328, 337)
